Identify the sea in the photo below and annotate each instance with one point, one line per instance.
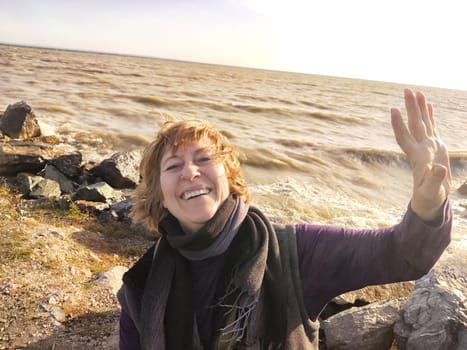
(316, 149)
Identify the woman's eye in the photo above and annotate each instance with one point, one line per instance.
(173, 166)
(203, 159)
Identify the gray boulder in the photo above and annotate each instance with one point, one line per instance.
(45, 188)
(435, 315)
(19, 122)
(27, 183)
(111, 279)
(121, 170)
(364, 328)
(18, 156)
(98, 192)
(68, 164)
(15, 159)
(52, 173)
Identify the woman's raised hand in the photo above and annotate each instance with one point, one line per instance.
(427, 153)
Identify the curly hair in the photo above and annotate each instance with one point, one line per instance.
(148, 198)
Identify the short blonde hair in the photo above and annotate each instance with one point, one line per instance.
(148, 199)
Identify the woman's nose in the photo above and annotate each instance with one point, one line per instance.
(190, 171)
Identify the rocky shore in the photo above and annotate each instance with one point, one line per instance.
(66, 240)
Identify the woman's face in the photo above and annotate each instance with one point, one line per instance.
(193, 184)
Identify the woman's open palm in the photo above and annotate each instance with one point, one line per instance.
(427, 153)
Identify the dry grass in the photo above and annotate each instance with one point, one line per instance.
(109, 237)
(50, 254)
(12, 246)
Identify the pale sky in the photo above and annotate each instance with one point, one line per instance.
(419, 42)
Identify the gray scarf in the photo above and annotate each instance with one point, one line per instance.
(168, 320)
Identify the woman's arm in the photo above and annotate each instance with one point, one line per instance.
(336, 260)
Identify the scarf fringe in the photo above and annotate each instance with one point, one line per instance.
(235, 330)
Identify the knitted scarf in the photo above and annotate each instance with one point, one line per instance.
(255, 293)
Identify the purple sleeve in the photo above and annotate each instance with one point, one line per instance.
(337, 260)
(129, 336)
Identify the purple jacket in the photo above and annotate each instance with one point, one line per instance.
(333, 261)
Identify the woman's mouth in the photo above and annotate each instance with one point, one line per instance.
(196, 193)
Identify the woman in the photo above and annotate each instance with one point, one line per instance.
(222, 276)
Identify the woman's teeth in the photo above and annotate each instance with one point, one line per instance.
(191, 194)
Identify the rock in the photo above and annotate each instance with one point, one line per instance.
(122, 209)
(364, 328)
(121, 170)
(99, 192)
(435, 315)
(111, 279)
(45, 188)
(57, 313)
(68, 164)
(52, 173)
(27, 183)
(19, 122)
(38, 187)
(28, 156)
(107, 216)
(95, 208)
(367, 295)
(21, 158)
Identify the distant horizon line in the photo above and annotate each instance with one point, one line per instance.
(154, 57)
(214, 64)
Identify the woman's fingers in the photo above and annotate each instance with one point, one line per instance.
(432, 119)
(414, 115)
(430, 195)
(425, 112)
(401, 132)
(430, 160)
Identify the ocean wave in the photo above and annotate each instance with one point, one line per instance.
(314, 104)
(5, 62)
(339, 118)
(267, 110)
(381, 93)
(305, 156)
(267, 113)
(372, 155)
(295, 143)
(216, 106)
(250, 97)
(265, 158)
(458, 159)
(55, 109)
(182, 103)
(150, 100)
(91, 71)
(306, 160)
(134, 75)
(191, 93)
(282, 101)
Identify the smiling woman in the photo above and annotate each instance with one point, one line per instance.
(194, 186)
(222, 276)
(191, 155)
